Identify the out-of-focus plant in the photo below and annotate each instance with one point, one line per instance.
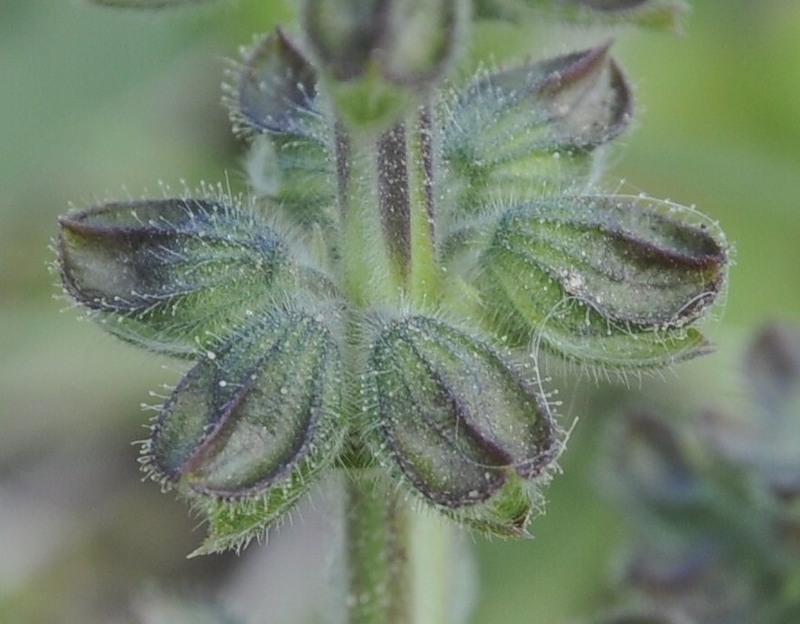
(715, 505)
(376, 305)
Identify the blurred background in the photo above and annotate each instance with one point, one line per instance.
(98, 104)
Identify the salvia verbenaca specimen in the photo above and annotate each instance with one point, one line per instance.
(411, 245)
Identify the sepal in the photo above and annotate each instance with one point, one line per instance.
(532, 130)
(297, 176)
(247, 430)
(609, 280)
(274, 90)
(252, 411)
(377, 58)
(272, 97)
(173, 274)
(459, 422)
(233, 524)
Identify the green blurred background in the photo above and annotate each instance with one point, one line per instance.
(98, 104)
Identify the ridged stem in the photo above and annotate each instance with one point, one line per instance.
(407, 204)
(365, 262)
(401, 567)
(394, 201)
(377, 554)
(424, 274)
(397, 565)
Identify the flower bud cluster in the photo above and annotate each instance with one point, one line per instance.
(408, 248)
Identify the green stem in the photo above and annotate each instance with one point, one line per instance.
(401, 567)
(377, 553)
(393, 199)
(406, 200)
(365, 270)
(424, 279)
(397, 565)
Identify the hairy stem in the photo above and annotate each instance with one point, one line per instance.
(365, 263)
(400, 566)
(393, 198)
(377, 553)
(424, 287)
(397, 566)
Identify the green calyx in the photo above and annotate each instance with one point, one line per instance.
(604, 280)
(531, 131)
(378, 58)
(172, 275)
(250, 413)
(461, 423)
